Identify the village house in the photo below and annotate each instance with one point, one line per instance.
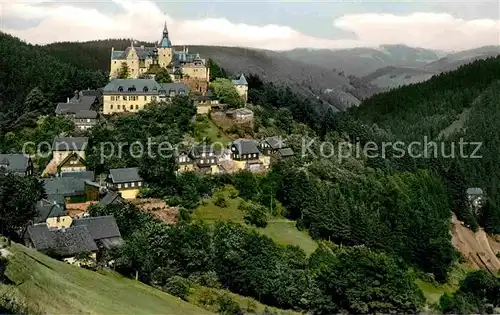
(205, 159)
(103, 229)
(65, 190)
(476, 198)
(81, 109)
(53, 214)
(184, 162)
(246, 154)
(126, 181)
(240, 114)
(84, 175)
(242, 87)
(204, 103)
(65, 243)
(62, 147)
(73, 163)
(131, 95)
(19, 164)
(111, 197)
(83, 236)
(275, 146)
(85, 119)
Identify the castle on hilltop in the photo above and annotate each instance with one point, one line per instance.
(182, 66)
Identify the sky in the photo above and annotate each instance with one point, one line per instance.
(276, 25)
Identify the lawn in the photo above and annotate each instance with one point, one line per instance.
(53, 287)
(207, 298)
(433, 291)
(205, 128)
(282, 231)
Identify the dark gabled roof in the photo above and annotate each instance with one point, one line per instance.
(70, 143)
(64, 186)
(203, 148)
(474, 191)
(95, 93)
(40, 236)
(125, 175)
(179, 88)
(100, 227)
(111, 198)
(85, 175)
(70, 156)
(138, 84)
(14, 162)
(71, 108)
(275, 142)
(92, 114)
(87, 100)
(142, 52)
(245, 146)
(72, 241)
(285, 152)
(47, 209)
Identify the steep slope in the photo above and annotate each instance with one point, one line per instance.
(49, 286)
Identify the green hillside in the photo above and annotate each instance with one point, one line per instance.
(53, 287)
(282, 231)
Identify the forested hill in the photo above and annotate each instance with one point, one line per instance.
(26, 69)
(461, 104)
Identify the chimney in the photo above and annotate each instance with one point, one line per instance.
(67, 100)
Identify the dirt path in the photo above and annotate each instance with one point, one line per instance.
(478, 249)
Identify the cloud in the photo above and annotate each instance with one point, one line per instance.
(143, 20)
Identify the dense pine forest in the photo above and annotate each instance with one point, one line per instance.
(380, 223)
(32, 81)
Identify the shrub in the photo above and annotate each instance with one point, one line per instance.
(233, 192)
(255, 214)
(177, 286)
(220, 200)
(227, 306)
(207, 279)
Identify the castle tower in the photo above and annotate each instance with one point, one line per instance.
(165, 51)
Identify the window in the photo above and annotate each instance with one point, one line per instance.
(213, 160)
(118, 106)
(132, 184)
(126, 185)
(110, 106)
(140, 184)
(131, 106)
(145, 89)
(112, 98)
(137, 107)
(203, 155)
(201, 161)
(119, 185)
(145, 98)
(124, 97)
(254, 155)
(88, 120)
(120, 89)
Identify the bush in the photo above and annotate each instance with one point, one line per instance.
(233, 192)
(207, 279)
(178, 286)
(220, 200)
(255, 214)
(227, 306)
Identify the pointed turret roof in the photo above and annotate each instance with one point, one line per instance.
(165, 40)
(241, 81)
